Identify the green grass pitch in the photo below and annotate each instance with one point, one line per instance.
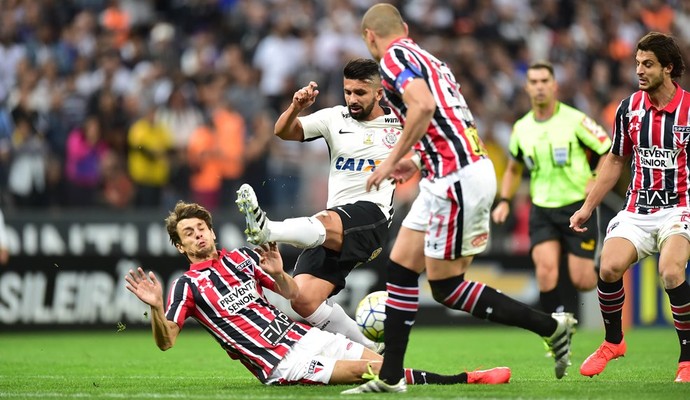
(128, 365)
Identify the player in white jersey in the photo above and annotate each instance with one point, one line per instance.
(354, 228)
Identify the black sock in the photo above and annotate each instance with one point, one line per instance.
(418, 377)
(611, 300)
(488, 303)
(401, 310)
(680, 308)
(551, 301)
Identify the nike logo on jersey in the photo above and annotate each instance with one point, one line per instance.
(342, 132)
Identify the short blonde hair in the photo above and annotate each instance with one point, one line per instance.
(384, 20)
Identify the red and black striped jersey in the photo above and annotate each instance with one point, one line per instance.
(657, 141)
(226, 297)
(451, 141)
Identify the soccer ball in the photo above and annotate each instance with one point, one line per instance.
(370, 314)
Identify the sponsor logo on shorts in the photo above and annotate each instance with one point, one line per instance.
(375, 254)
(612, 227)
(480, 240)
(588, 245)
(349, 345)
(315, 367)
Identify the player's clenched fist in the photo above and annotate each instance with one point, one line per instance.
(306, 96)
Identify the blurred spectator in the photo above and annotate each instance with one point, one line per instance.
(150, 146)
(107, 106)
(179, 115)
(116, 20)
(27, 172)
(279, 56)
(230, 129)
(85, 152)
(118, 190)
(204, 164)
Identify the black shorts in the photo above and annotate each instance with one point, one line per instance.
(365, 235)
(554, 223)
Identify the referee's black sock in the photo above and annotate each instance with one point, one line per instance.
(551, 301)
(401, 310)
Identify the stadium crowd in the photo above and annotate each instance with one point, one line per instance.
(140, 103)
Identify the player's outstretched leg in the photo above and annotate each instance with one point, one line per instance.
(557, 329)
(559, 342)
(257, 223)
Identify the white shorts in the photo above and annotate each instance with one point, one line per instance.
(312, 359)
(454, 211)
(647, 232)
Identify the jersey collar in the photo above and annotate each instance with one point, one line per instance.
(671, 106)
(208, 263)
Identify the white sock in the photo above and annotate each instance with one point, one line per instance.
(332, 318)
(303, 232)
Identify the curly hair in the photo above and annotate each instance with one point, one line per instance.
(666, 51)
(184, 211)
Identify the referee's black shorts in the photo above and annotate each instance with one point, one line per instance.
(554, 224)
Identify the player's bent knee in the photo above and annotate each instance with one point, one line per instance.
(441, 290)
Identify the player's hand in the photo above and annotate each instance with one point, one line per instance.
(382, 172)
(306, 96)
(404, 170)
(146, 288)
(271, 260)
(500, 213)
(580, 217)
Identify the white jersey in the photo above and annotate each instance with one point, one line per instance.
(355, 148)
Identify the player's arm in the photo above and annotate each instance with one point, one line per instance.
(288, 126)
(420, 110)
(150, 291)
(607, 178)
(509, 184)
(272, 263)
(164, 331)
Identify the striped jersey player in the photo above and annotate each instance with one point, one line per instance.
(226, 296)
(658, 142)
(223, 290)
(448, 222)
(651, 134)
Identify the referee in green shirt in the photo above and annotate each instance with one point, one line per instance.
(558, 144)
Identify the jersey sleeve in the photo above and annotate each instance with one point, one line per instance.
(398, 69)
(180, 302)
(621, 145)
(316, 125)
(514, 146)
(592, 135)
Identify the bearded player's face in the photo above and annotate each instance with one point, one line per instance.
(361, 97)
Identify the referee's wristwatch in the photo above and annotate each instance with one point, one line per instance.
(504, 199)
